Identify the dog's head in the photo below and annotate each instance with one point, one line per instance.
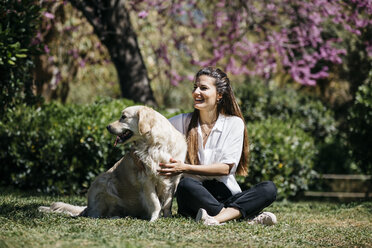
(135, 122)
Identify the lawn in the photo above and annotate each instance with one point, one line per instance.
(301, 224)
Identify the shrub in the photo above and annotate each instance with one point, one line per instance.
(334, 156)
(18, 22)
(360, 126)
(62, 148)
(282, 153)
(259, 101)
(58, 148)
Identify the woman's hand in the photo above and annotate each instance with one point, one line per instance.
(174, 167)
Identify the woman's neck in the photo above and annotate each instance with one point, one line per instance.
(208, 117)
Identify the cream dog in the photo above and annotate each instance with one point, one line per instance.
(132, 187)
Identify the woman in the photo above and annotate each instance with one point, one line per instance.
(217, 149)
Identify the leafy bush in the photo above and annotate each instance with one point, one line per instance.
(282, 153)
(58, 148)
(334, 156)
(360, 126)
(18, 22)
(259, 101)
(61, 148)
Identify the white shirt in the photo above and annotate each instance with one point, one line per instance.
(224, 144)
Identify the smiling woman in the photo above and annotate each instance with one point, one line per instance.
(205, 94)
(205, 97)
(217, 143)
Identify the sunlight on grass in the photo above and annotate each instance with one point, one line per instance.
(304, 224)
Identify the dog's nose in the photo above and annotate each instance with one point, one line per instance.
(108, 127)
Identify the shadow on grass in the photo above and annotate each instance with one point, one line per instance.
(17, 192)
(22, 205)
(27, 211)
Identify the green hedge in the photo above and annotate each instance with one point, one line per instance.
(18, 24)
(282, 153)
(360, 126)
(260, 101)
(58, 148)
(61, 148)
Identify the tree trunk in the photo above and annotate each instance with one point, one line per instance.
(112, 25)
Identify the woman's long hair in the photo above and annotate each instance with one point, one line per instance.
(227, 105)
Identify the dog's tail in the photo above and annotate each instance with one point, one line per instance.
(61, 207)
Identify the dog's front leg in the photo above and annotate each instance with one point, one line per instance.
(151, 201)
(167, 208)
(167, 196)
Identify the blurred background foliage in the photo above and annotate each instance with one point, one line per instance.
(16, 48)
(60, 89)
(58, 148)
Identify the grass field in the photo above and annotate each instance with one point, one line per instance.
(301, 224)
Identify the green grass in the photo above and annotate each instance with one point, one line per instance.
(301, 224)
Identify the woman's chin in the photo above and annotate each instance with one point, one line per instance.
(204, 107)
(199, 106)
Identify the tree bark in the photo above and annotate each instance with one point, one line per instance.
(111, 22)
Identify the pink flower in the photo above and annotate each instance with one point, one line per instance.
(190, 77)
(49, 15)
(46, 49)
(82, 63)
(74, 53)
(143, 14)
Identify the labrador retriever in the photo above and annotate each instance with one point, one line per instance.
(132, 187)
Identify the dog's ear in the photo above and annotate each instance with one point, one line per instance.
(146, 120)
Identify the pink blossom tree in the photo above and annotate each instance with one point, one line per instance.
(259, 38)
(304, 39)
(66, 49)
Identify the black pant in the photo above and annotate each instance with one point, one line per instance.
(213, 195)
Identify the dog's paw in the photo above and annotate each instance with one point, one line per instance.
(154, 217)
(44, 209)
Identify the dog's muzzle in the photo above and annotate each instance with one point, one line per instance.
(121, 138)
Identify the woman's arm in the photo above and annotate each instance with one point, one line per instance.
(176, 167)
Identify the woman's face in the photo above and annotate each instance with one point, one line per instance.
(205, 94)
